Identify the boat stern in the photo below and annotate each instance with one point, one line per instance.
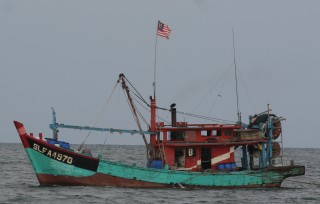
(291, 171)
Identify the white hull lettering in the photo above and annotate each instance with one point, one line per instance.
(52, 154)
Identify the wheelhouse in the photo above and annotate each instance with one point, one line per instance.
(196, 147)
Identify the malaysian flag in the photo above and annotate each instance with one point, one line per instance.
(163, 30)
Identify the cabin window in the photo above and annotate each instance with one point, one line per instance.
(190, 135)
(205, 133)
(176, 135)
(227, 132)
(216, 132)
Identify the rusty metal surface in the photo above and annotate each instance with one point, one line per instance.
(96, 180)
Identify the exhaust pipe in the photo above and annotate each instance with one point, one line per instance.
(173, 115)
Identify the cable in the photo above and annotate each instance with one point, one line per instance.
(141, 98)
(217, 82)
(245, 88)
(219, 93)
(99, 116)
(207, 117)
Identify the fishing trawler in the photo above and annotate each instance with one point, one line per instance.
(179, 154)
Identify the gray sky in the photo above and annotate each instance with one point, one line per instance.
(68, 55)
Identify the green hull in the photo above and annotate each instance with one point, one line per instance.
(52, 172)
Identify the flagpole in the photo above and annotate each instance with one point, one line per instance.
(153, 101)
(155, 64)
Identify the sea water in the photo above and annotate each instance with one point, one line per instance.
(20, 185)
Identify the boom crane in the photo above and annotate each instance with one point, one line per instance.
(132, 106)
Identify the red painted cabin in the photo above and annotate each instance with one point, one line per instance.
(196, 147)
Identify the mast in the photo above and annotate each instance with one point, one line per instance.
(153, 120)
(155, 64)
(236, 78)
(153, 99)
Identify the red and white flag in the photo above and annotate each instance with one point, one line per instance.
(163, 30)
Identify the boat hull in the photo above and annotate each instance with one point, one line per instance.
(106, 180)
(215, 181)
(56, 166)
(50, 172)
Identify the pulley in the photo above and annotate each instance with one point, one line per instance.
(261, 121)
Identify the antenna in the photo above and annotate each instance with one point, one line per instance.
(235, 75)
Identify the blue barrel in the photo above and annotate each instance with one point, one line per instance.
(233, 165)
(228, 165)
(221, 166)
(64, 145)
(51, 141)
(156, 164)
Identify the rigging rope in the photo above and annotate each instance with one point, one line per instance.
(104, 143)
(211, 89)
(245, 87)
(133, 109)
(150, 111)
(136, 92)
(225, 79)
(200, 116)
(136, 95)
(139, 96)
(206, 117)
(99, 116)
(141, 116)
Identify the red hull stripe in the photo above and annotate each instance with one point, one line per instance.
(96, 180)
